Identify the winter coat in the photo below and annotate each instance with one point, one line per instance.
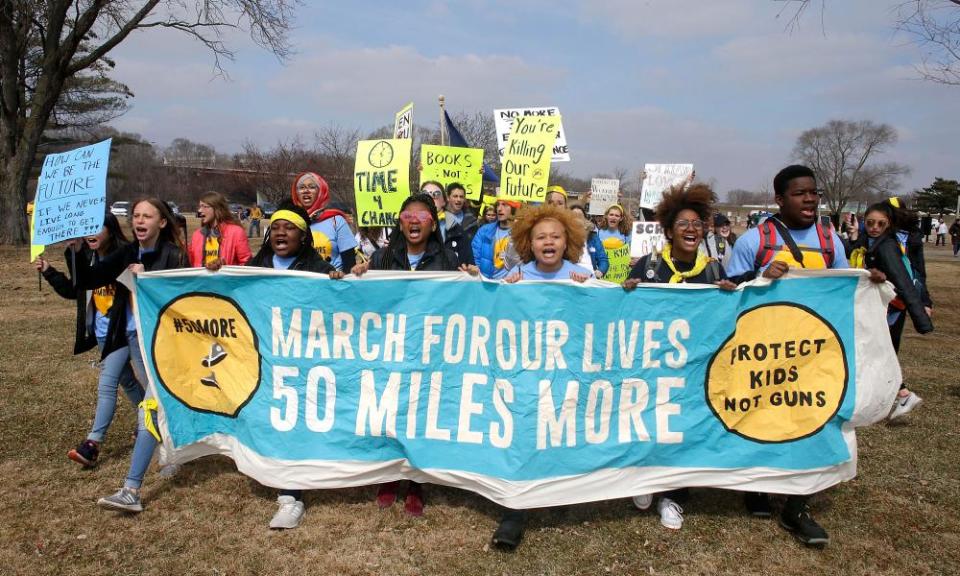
(459, 238)
(598, 255)
(85, 338)
(234, 246)
(436, 258)
(166, 256)
(482, 246)
(885, 255)
(307, 260)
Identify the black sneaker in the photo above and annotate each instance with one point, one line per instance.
(804, 527)
(757, 504)
(86, 453)
(510, 531)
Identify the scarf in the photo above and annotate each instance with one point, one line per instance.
(679, 277)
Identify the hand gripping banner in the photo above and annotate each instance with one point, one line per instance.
(532, 394)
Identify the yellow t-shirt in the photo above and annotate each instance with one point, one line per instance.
(211, 249)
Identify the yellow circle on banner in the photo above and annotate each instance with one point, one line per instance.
(205, 353)
(780, 376)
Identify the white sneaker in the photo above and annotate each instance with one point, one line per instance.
(671, 514)
(289, 514)
(643, 501)
(903, 405)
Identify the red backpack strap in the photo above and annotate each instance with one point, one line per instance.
(768, 241)
(826, 245)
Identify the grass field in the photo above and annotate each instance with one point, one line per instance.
(900, 516)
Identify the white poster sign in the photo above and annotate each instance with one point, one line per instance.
(604, 193)
(660, 178)
(647, 237)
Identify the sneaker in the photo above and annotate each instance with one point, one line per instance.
(643, 501)
(169, 471)
(290, 512)
(86, 453)
(126, 500)
(757, 504)
(387, 494)
(804, 527)
(903, 405)
(671, 514)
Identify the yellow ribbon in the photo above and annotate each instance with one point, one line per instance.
(149, 406)
(858, 258)
(678, 276)
(289, 216)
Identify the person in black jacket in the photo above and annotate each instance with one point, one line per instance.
(289, 246)
(880, 249)
(461, 224)
(93, 320)
(159, 246)
(415, 245)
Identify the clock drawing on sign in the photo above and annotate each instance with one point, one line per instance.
(380, 155)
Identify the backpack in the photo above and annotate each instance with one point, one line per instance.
(768, 243)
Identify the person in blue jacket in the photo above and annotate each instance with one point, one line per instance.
(491, 245)
(594, 249)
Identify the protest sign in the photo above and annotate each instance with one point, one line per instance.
(381, 180)
(647, 237)
(604, 193)
(619, 259)
(545, 393)
(71, 194)
(447, 164)
(403, 123)
(526, 164)
(660, 178)
(503, 120)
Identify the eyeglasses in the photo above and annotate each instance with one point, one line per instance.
(421, 216)
(684, 224)
(302, 187)
(433, 193)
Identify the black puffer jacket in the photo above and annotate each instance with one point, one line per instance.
(436, 258)
(459, 238)
(166, 257)
(885, 255)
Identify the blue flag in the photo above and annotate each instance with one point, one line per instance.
(457, 139)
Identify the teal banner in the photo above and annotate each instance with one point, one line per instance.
(526, 393)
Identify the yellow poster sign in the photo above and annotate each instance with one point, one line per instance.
(526, 160)
(619, 259)
(381, 180)
(35, 249)
(448, 164)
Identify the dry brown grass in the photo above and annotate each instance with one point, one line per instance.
(900, 516)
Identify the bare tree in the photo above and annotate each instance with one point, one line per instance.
(277, 166)
(933, 24)
(62, 39)
(841, 154)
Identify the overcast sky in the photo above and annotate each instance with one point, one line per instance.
(724, 85)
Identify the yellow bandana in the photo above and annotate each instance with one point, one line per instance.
(289, 216)
(679, 277)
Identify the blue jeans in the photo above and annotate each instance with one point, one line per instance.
(115, 372)
(145, 444)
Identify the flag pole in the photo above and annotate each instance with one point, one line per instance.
(443, 124)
